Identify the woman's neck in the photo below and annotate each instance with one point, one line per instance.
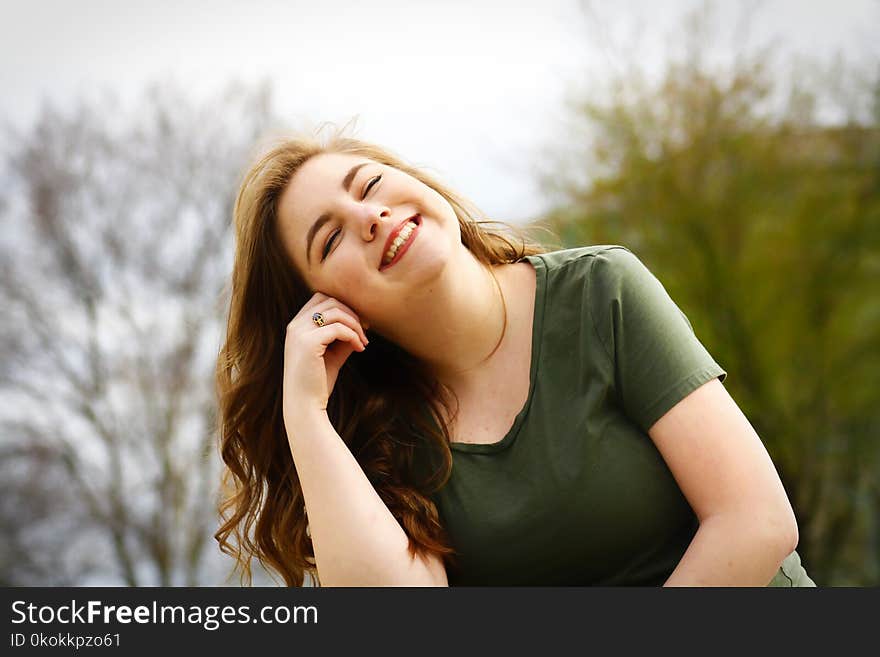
(458, 326)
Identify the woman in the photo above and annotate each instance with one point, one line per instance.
(410, 398)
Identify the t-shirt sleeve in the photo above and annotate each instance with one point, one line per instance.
(656, 356)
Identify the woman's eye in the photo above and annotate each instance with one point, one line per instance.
(374, 180)
(329, 244)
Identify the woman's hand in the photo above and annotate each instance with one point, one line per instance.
(313, 355)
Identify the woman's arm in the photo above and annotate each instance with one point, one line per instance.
(747, 525)
(357, 541)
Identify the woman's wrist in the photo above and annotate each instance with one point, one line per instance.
(304, 419)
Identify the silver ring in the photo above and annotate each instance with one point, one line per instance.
(318, 319)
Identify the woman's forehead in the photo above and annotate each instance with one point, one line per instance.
(329, 168)
(304, 199)
(320, 176)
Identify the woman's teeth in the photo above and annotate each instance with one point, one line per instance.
(402, 237)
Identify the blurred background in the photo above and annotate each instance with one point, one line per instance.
(735, 148)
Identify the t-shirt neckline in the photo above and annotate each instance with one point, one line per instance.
(537, 329)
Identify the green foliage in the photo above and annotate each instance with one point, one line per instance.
(764, 225)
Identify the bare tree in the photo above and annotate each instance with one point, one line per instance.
(113, 268)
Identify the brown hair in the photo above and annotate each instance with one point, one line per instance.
(390, 416)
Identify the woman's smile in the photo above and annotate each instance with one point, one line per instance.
(399, 241)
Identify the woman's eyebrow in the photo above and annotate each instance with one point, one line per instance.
(324, 218)
(349, 177)
(310, 237)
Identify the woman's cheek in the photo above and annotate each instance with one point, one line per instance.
(346, 286)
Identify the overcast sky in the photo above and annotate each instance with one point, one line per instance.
(471, 88)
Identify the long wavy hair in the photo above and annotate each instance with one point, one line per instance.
(386, 406)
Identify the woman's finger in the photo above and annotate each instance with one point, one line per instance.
(314, 300)
(325, 304)
(319, 299)
(337, 314)
(338, 331)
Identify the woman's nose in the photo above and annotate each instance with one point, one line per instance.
(373, 215)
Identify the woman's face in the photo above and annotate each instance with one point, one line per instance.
(342, 216)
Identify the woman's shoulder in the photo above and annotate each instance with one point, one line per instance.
(599, 273)
(581, 255)
(602, 265)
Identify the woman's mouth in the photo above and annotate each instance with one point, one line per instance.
(400, 243)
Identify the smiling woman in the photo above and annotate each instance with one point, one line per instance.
(410, 396)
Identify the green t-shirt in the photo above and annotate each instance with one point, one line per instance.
(576, 493)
